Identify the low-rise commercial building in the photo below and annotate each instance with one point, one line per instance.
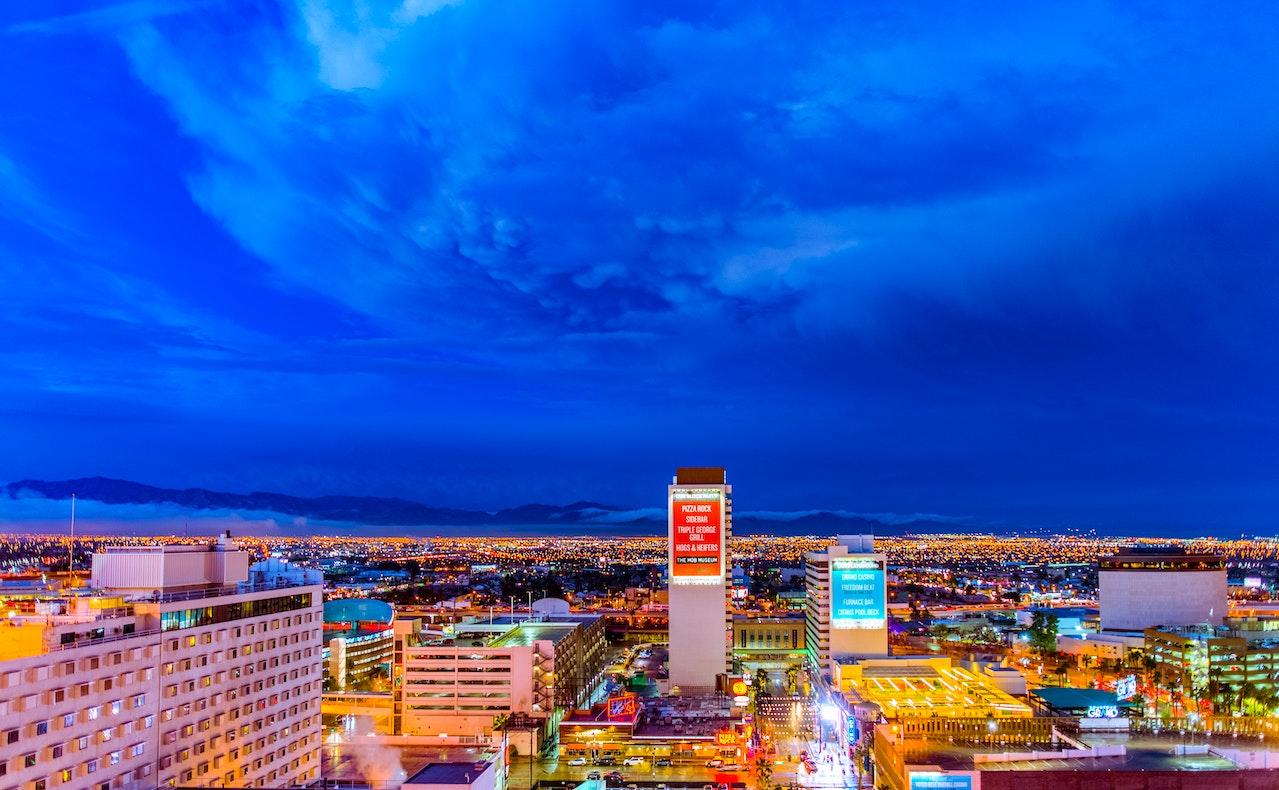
(458, 687)
(926, 686)
(359, 640)
(768, 635)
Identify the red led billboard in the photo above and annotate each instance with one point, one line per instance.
(697, 537)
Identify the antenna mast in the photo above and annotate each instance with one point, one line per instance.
(71, 548)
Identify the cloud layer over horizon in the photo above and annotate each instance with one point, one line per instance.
(1005, 261)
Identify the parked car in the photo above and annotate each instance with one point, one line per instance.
(731, 767)
(663, 762)
(593, 775)
(715, 763)
(633, 761)
(614, 776)
(577, 761)
(606, 761)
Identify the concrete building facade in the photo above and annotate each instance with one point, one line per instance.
(453, 688)
(847, 605)
(1141, 588)
(203, 680)
(700, 516)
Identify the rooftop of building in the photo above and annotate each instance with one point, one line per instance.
(701, 475)
(1159, 558)
(1066, 698)
(926, 686)
(505, 631)
(450, 773)
(1140, 755)
(771, 618)
(525, 634)
(358, 615)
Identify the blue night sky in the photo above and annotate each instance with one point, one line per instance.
(1010, 261)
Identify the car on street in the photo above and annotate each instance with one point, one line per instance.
(577, 761)
(633, 761)
(730, 767)
(662, 762)
(614, 776)
(716, 763)
(593, 776)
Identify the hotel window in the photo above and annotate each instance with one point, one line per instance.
(56, 751)
(11, 736)
(42, 728)
(29, 760)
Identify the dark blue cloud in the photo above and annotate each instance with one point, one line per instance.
(1007, 261)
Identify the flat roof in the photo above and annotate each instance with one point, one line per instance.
(1143, 754)
(526, 634)
(451, 773)
(1070, 698)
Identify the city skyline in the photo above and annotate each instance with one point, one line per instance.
(1012, 264)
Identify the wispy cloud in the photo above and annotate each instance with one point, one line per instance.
(835, 234)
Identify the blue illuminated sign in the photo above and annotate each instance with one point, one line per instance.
(935, 781)
(857, 593)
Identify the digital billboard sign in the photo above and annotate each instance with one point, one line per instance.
(697, 535)
(857, 593)
(932, 780)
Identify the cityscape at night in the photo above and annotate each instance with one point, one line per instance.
(702, 395)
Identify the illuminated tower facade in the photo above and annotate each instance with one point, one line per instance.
(847, 614)
(699, 524)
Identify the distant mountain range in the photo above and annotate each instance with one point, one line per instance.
(369, 511)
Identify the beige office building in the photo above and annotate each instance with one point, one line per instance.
(168, 670)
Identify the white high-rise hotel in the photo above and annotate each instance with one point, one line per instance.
(847, 610)
(700, 519)
(169, 670)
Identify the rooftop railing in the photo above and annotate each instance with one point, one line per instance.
(221, 590)
(102, 640)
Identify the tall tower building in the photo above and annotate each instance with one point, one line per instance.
(847, 610)
(700, 517)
